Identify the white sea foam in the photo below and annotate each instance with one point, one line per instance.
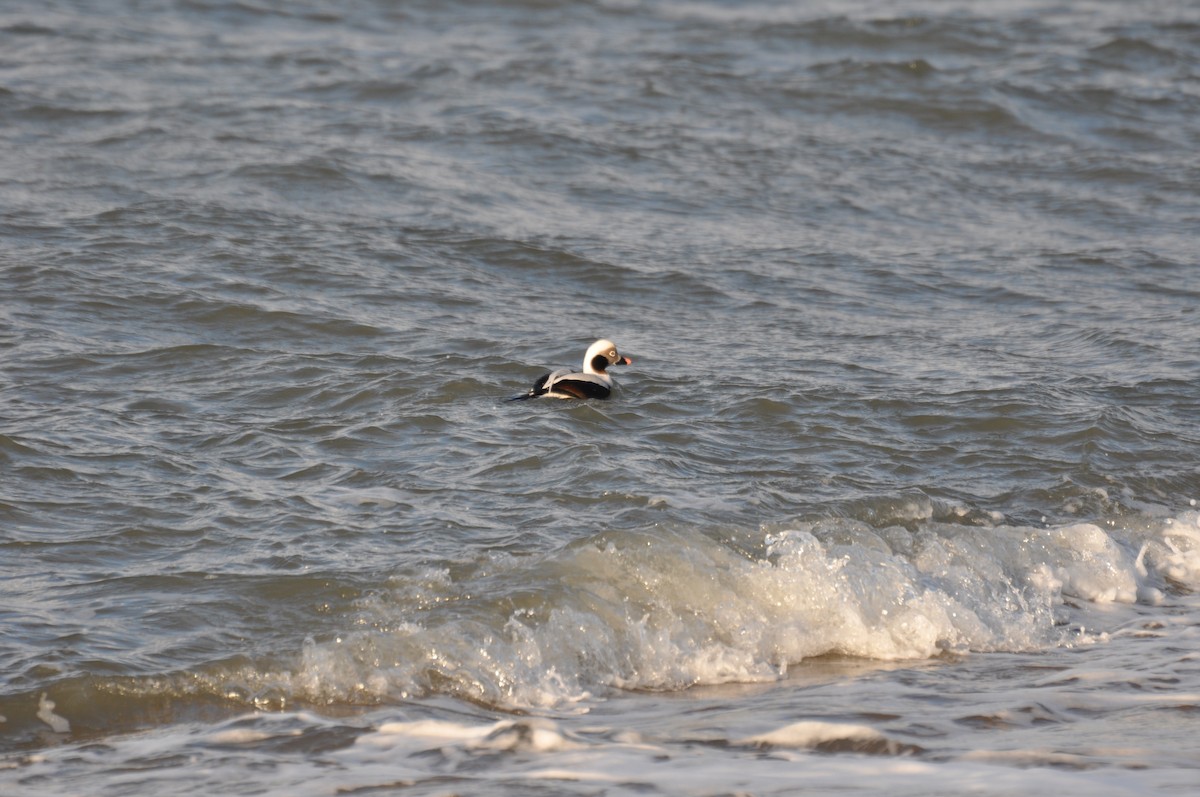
(812, 734)
(1180, 561)
(46, 714)
(663, 609)
(239, 736)
(534, 734)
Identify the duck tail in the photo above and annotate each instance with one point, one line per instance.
(538, 389)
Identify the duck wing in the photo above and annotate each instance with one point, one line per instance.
(582, 386)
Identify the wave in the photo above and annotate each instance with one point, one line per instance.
(667, 609)
(662, 609)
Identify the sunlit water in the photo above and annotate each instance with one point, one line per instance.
(898, 495)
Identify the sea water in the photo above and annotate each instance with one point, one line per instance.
(898, 495)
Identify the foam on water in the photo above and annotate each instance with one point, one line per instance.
(815, 734)
(46, 714)
(664, 609)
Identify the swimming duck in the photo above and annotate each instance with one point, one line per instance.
(591, 382)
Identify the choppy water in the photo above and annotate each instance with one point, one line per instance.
(898, 495)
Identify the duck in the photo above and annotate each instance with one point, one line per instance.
(593, 381)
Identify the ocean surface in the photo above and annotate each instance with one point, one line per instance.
(899, 494)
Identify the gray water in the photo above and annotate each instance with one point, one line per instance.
(899, 493)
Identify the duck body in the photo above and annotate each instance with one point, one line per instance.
(592, 381)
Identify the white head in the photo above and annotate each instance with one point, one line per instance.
(600, 355)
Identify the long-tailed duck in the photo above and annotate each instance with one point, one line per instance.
(592, 382)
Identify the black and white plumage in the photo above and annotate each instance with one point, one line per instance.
(592, 382)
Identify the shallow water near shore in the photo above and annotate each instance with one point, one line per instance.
(898, 494)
